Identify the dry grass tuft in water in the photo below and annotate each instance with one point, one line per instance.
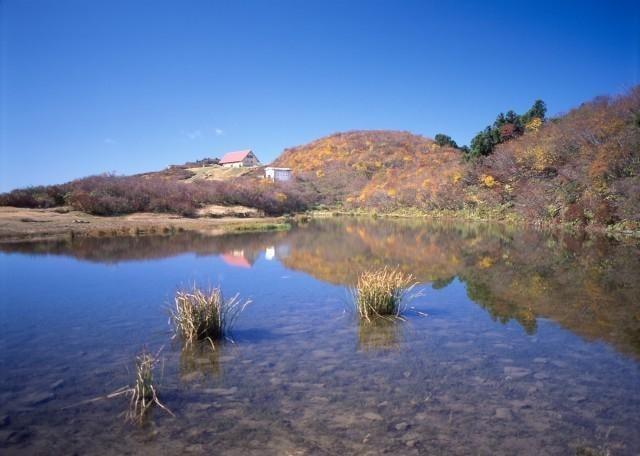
(143, 394)
(380, 293)
(204, 315)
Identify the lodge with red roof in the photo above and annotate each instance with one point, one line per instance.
(240, 159)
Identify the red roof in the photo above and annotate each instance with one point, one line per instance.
(234, 157)
(233, 260)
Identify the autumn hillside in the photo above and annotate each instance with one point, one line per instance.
(581, 168)
(377, 168)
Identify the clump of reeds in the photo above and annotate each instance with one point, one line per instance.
(143, 394)
(204, 314)
(380, 292)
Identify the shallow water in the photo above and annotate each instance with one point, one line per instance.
(530, 345)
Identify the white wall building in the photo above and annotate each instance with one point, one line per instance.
(277, 174)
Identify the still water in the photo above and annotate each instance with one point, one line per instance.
(530, 344)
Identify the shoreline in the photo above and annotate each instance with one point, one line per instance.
(32, 225)
(618, 231)
(22, 224)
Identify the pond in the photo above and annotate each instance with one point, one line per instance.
(519, 342)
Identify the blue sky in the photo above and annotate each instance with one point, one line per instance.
(92, 86)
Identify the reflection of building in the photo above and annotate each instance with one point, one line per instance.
(276, 251)
(247, 256)
(277, 174)
(238, 259)
(239, 159)
(270, 253)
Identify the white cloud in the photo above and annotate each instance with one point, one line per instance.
(195, 134)
(219, 132)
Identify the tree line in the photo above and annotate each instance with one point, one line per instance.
(506, 127)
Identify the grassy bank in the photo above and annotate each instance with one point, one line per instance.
(258, 227)
(19, 224)
(625, 228)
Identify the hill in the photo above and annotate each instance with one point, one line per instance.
(377, 169)
(582, 167)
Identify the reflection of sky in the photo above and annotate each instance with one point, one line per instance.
(325, 252)
(50, 295)
(58, 298)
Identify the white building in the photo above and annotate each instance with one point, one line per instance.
(239, 159)
(277, 174)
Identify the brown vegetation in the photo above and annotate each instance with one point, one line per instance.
(381, 170)
(115, 195)
(143, 394)
(380, 292)
(204, 314)
(19, 224)
(583, 167)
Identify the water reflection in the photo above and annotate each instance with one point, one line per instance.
(200, 360)
(238, 259)
(379, 334)
(120, 249)
(303, 376)
(587, 284)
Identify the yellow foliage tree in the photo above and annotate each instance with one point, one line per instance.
(488, 181)
(534, 124)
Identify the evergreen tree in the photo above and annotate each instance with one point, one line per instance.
(445, 140)
(505, 127)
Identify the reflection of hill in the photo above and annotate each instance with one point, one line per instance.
(337, 250)
(117, 249)
(587, 285)
(379, 334)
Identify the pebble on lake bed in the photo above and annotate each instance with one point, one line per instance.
(402, 426)
(38, 398)
(516, 372)
(503, 413)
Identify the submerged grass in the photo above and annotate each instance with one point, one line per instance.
(380, 292)
(204, 314)
(379, 334)
(198, 359)
(143, 394)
